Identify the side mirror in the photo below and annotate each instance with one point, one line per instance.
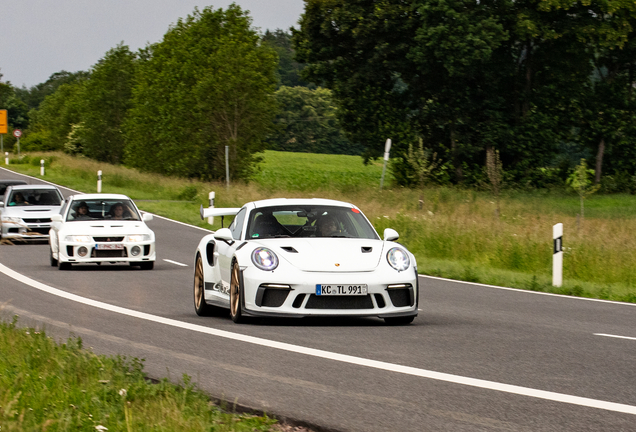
(224, 234)
(390, 234)
(57, 218)
(147, 217)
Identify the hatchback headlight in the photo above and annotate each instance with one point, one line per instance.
(264, 259)
(78, 238)
(136, 238)
(398, 259)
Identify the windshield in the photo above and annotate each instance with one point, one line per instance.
(102, 209)
(309, 221)
(25, 197)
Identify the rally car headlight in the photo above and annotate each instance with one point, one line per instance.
(264, 259)
(398, 259)
(78, 238)
(135, 238)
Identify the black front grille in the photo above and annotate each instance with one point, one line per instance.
(108, 239)
(339, 302)
(401, 297)
(274, 297)
(109, 253)
(44, 230)
(37, 221)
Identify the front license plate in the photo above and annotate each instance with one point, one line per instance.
(109, 246)
(341, 290)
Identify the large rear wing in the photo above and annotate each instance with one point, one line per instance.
(211, 211)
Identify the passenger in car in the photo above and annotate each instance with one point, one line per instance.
(81, 213)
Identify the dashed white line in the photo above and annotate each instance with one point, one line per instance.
(176, 263)
(615, 336)
(359, 361)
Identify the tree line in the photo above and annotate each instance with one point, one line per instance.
(174, 106)
(543, 82)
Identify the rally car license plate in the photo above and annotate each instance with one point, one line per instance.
(109, 246)
(342, 290)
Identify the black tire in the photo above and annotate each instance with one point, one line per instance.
(147, 265)
(236, 295)
(399, 320)
(53, 260)
(200, 306)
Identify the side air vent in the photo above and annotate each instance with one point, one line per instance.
(366, 249)
(289, 249)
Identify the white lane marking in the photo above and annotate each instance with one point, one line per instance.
(175, 262)
(519, 290)
(390, 367)
(615, 336)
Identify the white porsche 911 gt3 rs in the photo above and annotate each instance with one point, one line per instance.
(303, 257)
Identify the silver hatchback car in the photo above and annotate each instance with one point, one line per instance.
(26, 210)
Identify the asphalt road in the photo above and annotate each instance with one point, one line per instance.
(476, 358)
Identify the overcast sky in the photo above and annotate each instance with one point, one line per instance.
(41, 37)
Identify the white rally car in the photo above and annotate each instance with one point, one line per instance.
(98, 228)
(303, 257)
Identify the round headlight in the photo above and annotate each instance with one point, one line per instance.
(398, 259)
(82, 251)
(264, 259)
(135, 250)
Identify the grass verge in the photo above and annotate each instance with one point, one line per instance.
(49, 386)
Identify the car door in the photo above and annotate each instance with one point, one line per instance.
(226, 249)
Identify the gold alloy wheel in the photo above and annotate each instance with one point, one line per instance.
(198, 285)
(235, 294)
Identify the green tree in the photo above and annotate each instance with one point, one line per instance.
(581, 181)
(107, 99)
(288, 68)
(52, 121)
(307, 122)
(34, 96)
(208, 84)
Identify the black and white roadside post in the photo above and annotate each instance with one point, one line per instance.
(42, 167)
(557, 255)
(99, 181)
(211, 199)
(6, 158)
(387, 150)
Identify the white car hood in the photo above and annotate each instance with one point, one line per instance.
(106, 228)
(328, 254)
(31, 212)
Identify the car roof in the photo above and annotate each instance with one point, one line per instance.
(104, 196)
(12, 182)
(33, 186)
(274, 202)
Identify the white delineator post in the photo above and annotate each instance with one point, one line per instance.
(99, 181)
(387, 150)
(211, 198)
(42, 167)
(6, 158)
(557, 255)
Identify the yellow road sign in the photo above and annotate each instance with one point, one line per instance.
(4, 122)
